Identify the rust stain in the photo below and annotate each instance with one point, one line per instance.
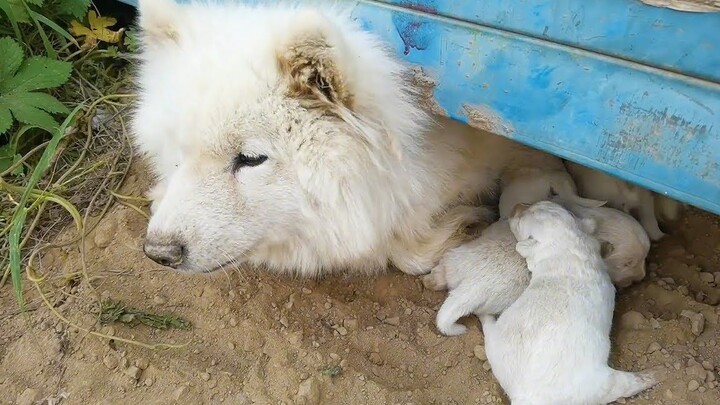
(694, 6)
(485, 119)
(425, 86)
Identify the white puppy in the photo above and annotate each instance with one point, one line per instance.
(535, 179)
(484, 276)
(624, 245)
(621, 195)
(551, 346)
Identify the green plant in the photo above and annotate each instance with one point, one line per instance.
(19, 81)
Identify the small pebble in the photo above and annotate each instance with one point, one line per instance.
(342, 330)
(693, 385)
(110, 361)
(479, 352)
(654, 347)
(159, 300)
(27, 397)
(142, 363)
(668, 394)
(394, 321)
(306, 291)
(375, 359)
(486, 366)
(133, 372)
(633, 320)
(233, 322)
(707, 277)
(148, 382)
(205, 376)
(697, 321)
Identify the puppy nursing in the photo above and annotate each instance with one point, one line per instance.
(484, 276)
(624, 245)
(625, 196)
(551, 346)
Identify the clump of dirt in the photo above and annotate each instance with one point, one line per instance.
(258, 338)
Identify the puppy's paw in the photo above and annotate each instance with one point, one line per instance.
(430, 283)
(455, 329)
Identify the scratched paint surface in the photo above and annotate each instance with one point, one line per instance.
(681, 41)
(648, 126)
(656, 129)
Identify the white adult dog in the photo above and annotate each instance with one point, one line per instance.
(287, 137)
(552, 345)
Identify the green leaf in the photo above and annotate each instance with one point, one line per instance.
(8, 157)
(131, 41)
(6, 119)
(12, 58)
(38, 73)
(27, 114)
(15, 11)
(18, 79)
(75, 8)
(42, 101)
(18, 219)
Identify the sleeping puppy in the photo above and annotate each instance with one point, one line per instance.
(551, 346)
(624, 244)
(484, 276)
(629, 198)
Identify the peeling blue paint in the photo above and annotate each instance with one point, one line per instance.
(559, 75)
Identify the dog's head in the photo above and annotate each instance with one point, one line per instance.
(625, 245)
(271, 129)
(545, 223)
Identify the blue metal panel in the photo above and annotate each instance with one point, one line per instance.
(649, 126)
(629, 29)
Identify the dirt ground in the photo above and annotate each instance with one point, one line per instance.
(257, 338)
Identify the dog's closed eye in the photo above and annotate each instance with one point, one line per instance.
(242, 160)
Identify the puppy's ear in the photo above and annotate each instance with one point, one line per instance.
(588, 202)
(588, 225)
(606, 248)
(525, 247)
(159, 20)
(519, 209)
(312, 59)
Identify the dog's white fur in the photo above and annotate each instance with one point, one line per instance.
(624, 242)
(624, 196)
(484, 276)
(357, 175)
(552, 345)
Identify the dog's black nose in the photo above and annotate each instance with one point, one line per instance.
(166, 254)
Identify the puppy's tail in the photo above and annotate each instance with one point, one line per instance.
(623, 384)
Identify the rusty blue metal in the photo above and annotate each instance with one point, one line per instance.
(611, 104)
(626, 29)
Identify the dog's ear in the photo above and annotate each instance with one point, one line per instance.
(525, 247)
(312, 59)
(159, 19)
(606, 248)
